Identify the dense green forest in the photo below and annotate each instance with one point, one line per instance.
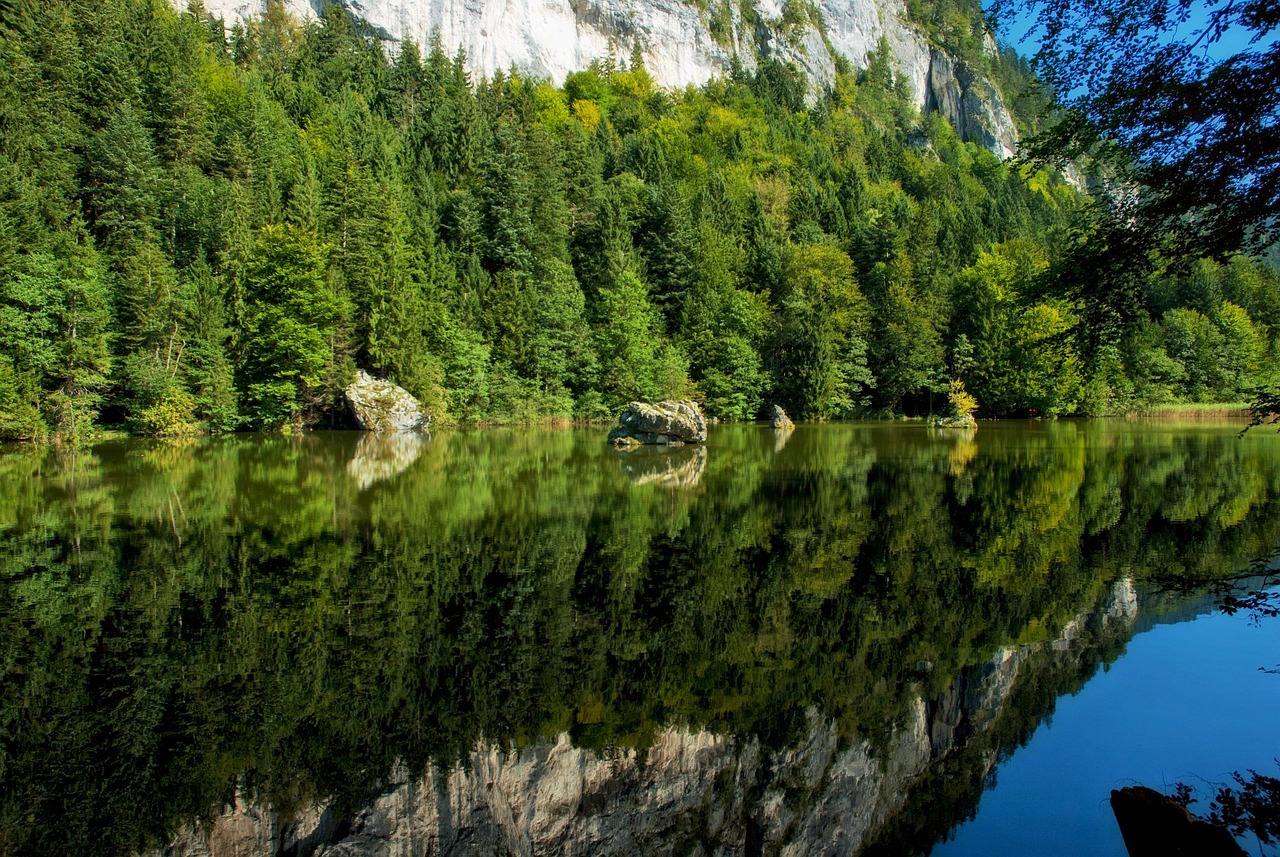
(203, 229)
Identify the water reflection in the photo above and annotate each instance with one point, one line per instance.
(507, 644)
(673, 467)
(782, 434)
(380, 456)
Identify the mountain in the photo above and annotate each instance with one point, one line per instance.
(684, 43)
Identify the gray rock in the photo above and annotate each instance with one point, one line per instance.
(972, 105)
(965, 422)
(666, 423)
(780, 419)
(382, 406)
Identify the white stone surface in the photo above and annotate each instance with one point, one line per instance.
(548, 38)
(551, 38)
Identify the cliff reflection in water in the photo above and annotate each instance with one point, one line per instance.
(512, 643)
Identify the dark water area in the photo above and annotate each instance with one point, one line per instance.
(829, 641)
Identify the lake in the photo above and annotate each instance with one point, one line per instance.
(874, 639)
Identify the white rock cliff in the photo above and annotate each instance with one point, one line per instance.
(551, 38)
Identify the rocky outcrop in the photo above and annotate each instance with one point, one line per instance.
(552, 38)
(779, 419)
(664, 423)
(971, 104)
(382, 406)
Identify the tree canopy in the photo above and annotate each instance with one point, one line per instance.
(1189, 92)
(1177, 106)
(209, 229)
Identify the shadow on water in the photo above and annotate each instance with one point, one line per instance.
(491, 641)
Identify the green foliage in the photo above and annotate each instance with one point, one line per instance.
(628, 342)
(291, 316)
(962, 401)
(1021, 357)
(19, 410)
(240, 220)
(821, 347)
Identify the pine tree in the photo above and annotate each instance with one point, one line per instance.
(291, 318)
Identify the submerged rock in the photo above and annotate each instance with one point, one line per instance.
(666, 423)
(780, 419)
(781, 435)
(379, 405)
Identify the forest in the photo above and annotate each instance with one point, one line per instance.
(206, 229)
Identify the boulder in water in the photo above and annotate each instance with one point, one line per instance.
(965, 421)
(379, 405)
(1156, 824)
(667, 423)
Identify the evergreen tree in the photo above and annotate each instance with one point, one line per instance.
(291, 316)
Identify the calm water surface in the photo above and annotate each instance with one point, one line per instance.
(829, 641)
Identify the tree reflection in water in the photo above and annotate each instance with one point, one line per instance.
(831, 640)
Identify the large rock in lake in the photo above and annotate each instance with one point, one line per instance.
(379, 405)
(662, 423)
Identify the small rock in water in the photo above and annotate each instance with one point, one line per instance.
(379, 405)
(667, 423)
(965, 422)
(780, 418)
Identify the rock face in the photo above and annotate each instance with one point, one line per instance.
(382, 406)
(970, 103)
(779, 419)
(552, 38)
(665, 423)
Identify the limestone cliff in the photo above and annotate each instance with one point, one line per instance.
(680, 44)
